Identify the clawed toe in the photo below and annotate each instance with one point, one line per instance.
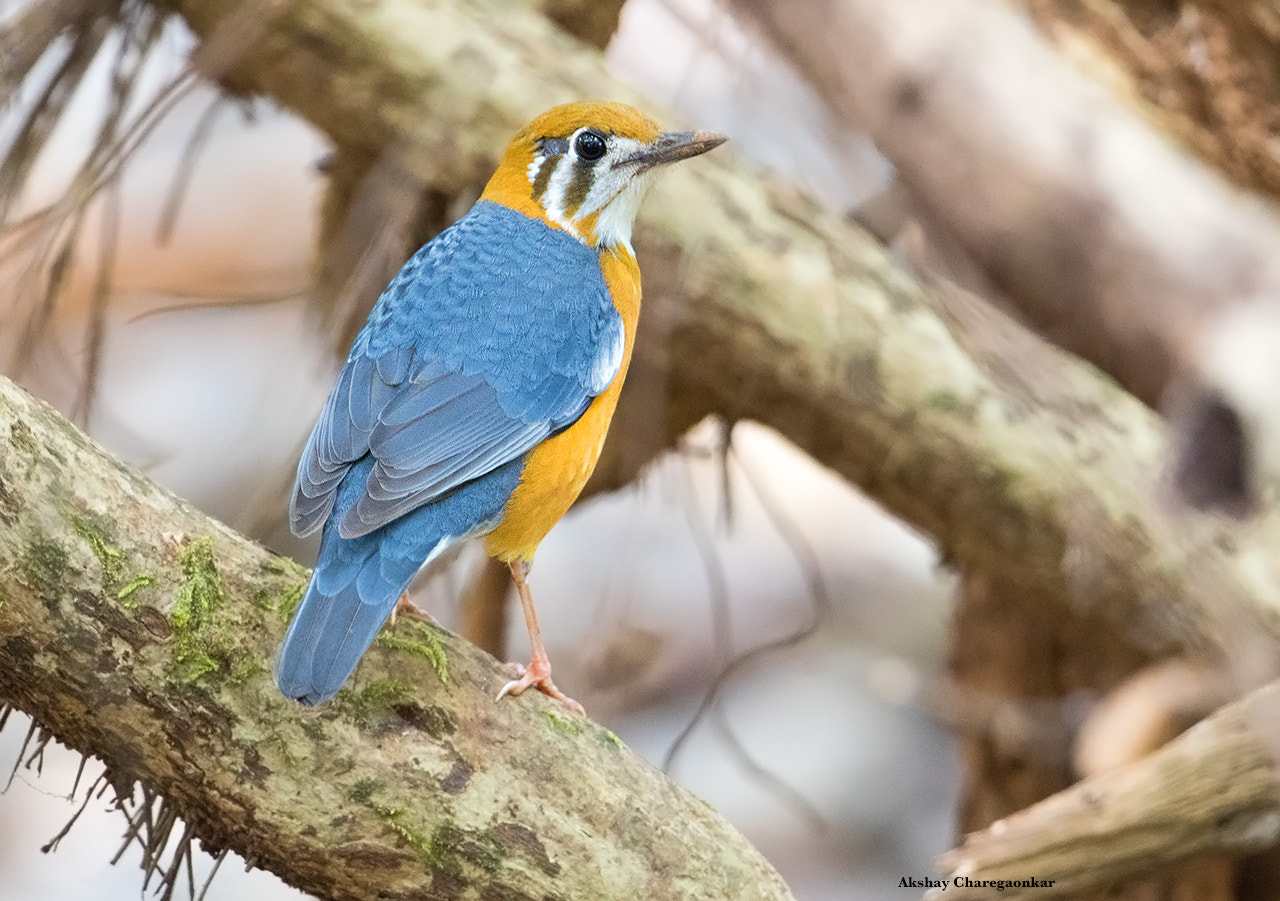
(537, 675)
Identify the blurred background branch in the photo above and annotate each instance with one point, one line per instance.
(1210, 793)
(1106, 236)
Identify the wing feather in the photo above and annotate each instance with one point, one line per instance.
(470, 358)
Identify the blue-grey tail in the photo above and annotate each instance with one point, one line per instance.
(358, 580)
(353, 590)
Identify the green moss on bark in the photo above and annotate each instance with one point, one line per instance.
(195, 648)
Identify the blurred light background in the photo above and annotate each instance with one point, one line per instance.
(212, 369)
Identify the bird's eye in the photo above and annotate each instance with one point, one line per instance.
(589, 146)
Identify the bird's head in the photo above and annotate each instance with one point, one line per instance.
(584, 167)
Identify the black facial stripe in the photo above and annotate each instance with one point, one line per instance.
(578, 189)
(543, 178)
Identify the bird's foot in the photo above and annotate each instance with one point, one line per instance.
(537, 675)
(406, 607)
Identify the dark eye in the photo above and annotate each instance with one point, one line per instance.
(589, 146)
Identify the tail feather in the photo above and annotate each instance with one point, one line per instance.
(358, 580)
(352, 592)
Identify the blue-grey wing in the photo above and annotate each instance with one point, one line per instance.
(341, 435)
(494, 336)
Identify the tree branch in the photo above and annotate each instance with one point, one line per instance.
(1216, 787)
(140, 631)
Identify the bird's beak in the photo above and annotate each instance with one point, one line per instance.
(674, 146)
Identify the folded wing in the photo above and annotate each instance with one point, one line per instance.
(462, 368)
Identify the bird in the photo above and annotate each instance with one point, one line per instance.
(476, 398)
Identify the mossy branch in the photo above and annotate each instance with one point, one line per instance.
(140, 631)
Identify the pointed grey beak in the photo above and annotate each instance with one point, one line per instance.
(674, 146)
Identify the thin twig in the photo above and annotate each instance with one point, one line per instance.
(186, 166)
(52, 844)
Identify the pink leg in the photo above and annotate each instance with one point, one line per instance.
(538, 673)
(408, 608)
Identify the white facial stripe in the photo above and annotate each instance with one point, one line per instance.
(535, 167)
(553, 199)
(614, 194)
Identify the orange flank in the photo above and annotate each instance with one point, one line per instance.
(560, 466)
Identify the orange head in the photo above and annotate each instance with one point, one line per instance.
(584, 167)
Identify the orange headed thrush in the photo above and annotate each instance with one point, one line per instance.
(476, 399)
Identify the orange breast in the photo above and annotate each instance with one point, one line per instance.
(559, 467)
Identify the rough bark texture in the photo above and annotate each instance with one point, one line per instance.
(1205, 74)
(140, 631)
(1017, 655)
(1095, 226)
(1035, 668)
(1036, 672)
(1114, 245)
